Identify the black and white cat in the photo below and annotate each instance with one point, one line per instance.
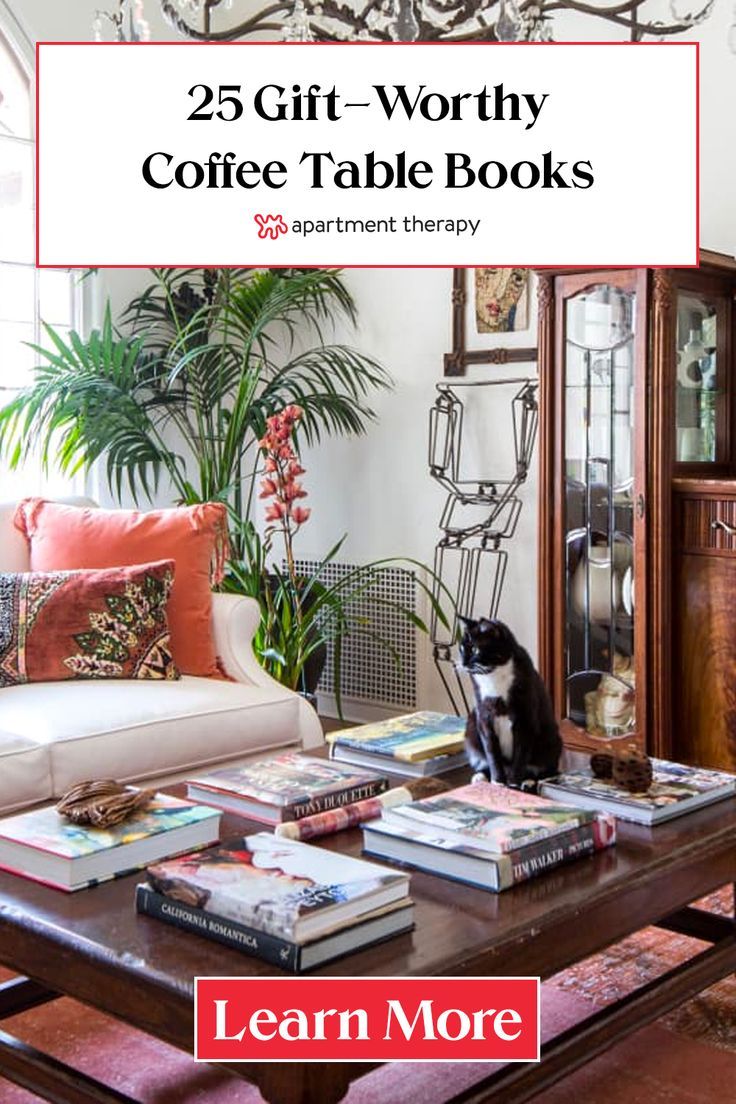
(511, 736)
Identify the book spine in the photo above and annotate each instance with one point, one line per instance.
(537, 857)
(326, 802)
(418, 749)
(238, 937)
(384, 748)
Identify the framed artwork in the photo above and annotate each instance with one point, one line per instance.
(494, 318)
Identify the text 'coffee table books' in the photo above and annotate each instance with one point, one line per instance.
(675, 790)
(487, 835)
(288, 787)
(416, 744)
(42, 845)
(290, 903)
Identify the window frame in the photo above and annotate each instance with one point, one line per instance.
(21, 48)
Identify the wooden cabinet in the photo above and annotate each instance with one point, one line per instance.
(704, 605)
(637, 403)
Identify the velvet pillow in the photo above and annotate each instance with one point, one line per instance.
(194, 537)
(86, 624)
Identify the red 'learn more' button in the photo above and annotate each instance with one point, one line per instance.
(366, 1019)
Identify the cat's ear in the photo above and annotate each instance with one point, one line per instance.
(466, 627)
(504, 631)
(494, 628)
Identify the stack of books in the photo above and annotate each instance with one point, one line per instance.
(675, 790)
(487, 835)
(42, 845)
(414, 745)
(289, 787)
(288, 903)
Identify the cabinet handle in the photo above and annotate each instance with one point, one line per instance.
(724, 526)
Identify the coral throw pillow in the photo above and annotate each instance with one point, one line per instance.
(65, 538)
(86, 624)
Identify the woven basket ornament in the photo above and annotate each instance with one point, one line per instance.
(102, 803)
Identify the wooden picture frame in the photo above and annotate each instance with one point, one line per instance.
(460, 357)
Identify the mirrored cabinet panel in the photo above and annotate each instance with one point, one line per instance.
(599, 532)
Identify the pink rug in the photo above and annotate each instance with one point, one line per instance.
(649, 1068)
(710, 1017)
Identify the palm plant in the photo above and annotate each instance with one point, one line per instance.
(184, 385)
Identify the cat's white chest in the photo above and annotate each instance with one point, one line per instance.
(497, 684)
(505, 735)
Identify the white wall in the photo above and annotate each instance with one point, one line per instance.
(377, 488)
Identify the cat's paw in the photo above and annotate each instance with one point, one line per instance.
(479, 776)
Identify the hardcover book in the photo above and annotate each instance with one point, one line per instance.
(42, 845)
(413, 739)
(676, 789)
(491, 817)
(288, 787)
(421, 768)
(373, 927)
(431, 851)
(290, 890)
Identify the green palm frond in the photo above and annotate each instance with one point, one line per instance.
(203, 357)
(89, 400)
(331, 384)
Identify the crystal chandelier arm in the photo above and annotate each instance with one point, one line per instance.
(347, 16)
(468, 11)
(622, 8)
(258, 22)
(615, 14)
(370, 6)
(435, 20)
(462, 12)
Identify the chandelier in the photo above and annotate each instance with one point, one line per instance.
(402, 20)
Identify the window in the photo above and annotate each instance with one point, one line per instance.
(27, 295)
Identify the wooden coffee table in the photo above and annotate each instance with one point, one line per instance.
(92, 946)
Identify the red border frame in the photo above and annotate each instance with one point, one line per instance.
(300, 978)
(641, 45)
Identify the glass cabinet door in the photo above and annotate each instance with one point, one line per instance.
(599, 349)
(701, 404)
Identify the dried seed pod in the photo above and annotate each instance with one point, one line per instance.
(601, 764)
(632, 770)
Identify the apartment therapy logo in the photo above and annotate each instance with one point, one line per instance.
(324, 168)
(367, 1019)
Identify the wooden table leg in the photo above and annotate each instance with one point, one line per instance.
(310, 1083)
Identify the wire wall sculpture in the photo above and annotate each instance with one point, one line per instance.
(473, 551)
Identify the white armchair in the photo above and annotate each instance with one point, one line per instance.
(55, 734)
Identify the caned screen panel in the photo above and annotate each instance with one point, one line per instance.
(369, 671)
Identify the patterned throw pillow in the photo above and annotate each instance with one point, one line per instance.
(86, 624)
(67, 538)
